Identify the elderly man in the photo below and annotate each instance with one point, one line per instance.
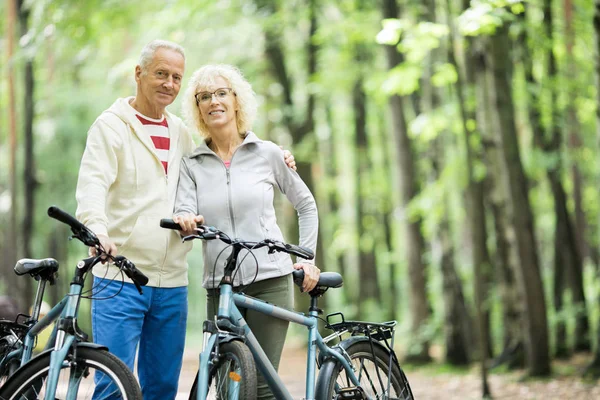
(127, 183)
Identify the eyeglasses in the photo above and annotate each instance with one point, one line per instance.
(221, 93)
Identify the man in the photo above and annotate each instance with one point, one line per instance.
(127, 183)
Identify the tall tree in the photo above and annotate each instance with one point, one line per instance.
(568, 263)
(30, 175)
(369, 292)
(457, 321)
(506, 256)
(536, 323)
(594, 366)
(414, 241)
(582, 328)
(474, 199)
(299, 129)
(11, 247)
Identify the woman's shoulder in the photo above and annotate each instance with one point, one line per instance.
(265, 147)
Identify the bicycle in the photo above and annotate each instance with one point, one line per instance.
(71, 366)
(363, 366)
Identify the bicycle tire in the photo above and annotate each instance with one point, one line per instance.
(234, 357)
(332, 375)
(29, 381)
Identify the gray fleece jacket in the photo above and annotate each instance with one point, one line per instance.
(239, 201)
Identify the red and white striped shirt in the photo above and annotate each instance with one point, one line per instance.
(159, 133)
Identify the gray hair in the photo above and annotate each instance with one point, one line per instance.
(151, 48)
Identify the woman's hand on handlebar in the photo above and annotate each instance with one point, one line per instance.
(108, 246)
(311, 275)
(188, 223)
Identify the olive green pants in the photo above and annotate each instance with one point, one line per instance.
(270, 332)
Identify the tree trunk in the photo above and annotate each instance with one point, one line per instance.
(30, 178)
(414, 242)
(475, 205)
(536, 324)
(11, 250)
(386, 204)
(582, 326)
(498, 199)
(369, 292)
(593, 368)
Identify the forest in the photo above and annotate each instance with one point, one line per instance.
(452, 147)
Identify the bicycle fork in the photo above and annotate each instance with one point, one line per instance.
(64, 341)
(208, 344)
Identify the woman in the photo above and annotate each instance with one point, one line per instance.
(229, 182)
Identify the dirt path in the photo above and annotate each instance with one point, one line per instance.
(427, 385)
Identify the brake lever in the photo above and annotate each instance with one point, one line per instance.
(138, 287)
(123, 264)
(190, 237)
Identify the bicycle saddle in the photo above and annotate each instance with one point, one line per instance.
(45, 268)
(326, 280)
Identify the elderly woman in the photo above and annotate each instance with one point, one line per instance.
(229, 182)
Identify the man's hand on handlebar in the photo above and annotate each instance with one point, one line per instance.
(311, 275)
(188, 223)
(108, 246)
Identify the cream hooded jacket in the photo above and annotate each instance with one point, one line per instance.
(123, 192)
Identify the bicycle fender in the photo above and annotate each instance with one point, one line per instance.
(229, 337)
(346, 343)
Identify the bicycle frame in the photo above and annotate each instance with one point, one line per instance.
(65, 338)
(65, 334)
(228, 309)
(62, 337)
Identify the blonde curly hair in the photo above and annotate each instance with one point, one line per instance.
(204, 77)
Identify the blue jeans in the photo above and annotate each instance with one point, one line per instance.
(155, 320)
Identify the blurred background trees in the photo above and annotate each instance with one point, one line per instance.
(452, 146)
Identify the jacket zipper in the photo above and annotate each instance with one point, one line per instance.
(229, 198)
(230, 206)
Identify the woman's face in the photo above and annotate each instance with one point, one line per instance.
(217, 104)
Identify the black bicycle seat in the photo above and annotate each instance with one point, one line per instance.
(44, 268)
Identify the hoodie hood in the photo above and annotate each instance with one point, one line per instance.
(124, 111)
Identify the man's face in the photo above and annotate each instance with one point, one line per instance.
(159, 84)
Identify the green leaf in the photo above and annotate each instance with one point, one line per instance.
(403, 80)
(445, 75)
(390, 34)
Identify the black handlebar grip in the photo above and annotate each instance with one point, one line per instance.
(65, 218)
(138, 276)
(169, 224)
(131, 271)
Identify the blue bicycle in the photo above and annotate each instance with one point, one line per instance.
(362, 366)
(70, 367)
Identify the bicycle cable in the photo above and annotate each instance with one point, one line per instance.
(242, 288)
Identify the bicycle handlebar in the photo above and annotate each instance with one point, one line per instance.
(80, 231)
(89, 238)
(206, 232)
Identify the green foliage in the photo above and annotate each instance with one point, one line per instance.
(484, 16)
(415, 41)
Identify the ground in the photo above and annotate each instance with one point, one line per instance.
(429, 383)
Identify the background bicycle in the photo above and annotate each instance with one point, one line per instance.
(363, 366)
(73, 366)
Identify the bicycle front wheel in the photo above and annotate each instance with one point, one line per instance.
(233, 376)
(92, 374)
(372, 370)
